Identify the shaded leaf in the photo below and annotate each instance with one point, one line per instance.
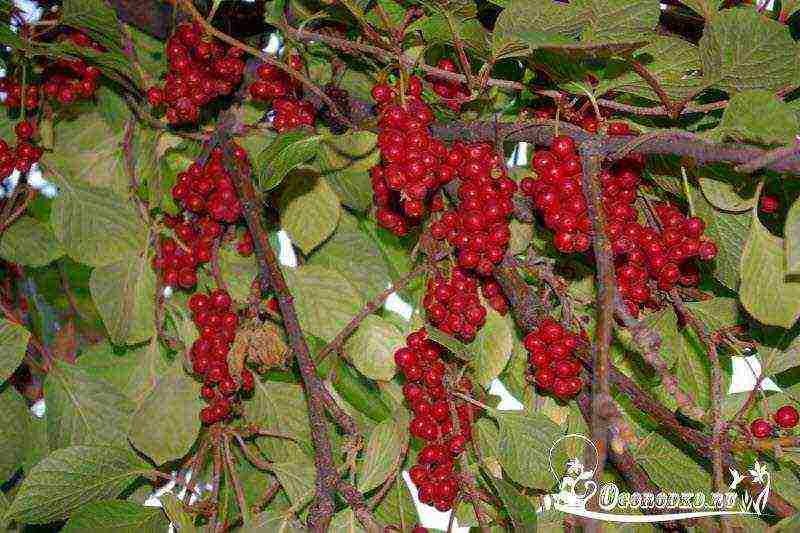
(325, 301)
(82, 409)
(668, 466)
(620, 20)
(757, 116)
(167, 423)
(279, 408)
(309, 210)
(118, 516)
(297, 479)
(15, 428)
(238, 272)
(382, 454)
(371, 348)
(30, 242)
(71, 478)
(287, 152)
(792, 232)
(13, 344)
(519, 507)
(525, 441)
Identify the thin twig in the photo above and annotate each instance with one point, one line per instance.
(234, 479)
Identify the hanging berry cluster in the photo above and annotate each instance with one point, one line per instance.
(63, 80)
(422, 365)
(207, 197)
(412, 162)
(22, 156)
(479, 227)
(274, 85)
(217, 325)
(453, 306)
(451, 91)
(641, 254)
(550, 353)
(786, 417)
(201, 69)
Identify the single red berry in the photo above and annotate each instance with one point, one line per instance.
(769, 204)
(220, 299)
(787, 417)
(760, 428)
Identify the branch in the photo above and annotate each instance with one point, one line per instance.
(606, 279)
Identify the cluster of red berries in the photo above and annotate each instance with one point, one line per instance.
(641, 253)
(201, 69)
(550, 352)
(217, 325)
(479, 226)
(451, 91)
(208, 198)
(23, 155)
(274, 85)
(785, 417)
(588, 120)
(63, 80)
(421, 363)
(412, 162)
(453, 306)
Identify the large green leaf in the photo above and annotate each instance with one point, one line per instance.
(707, 8)
(367, 270)
(238, 272)
(792, 232)
(520, 508)
(742, 49)
(524, 25)
(382, 455)
(30, 242)
(492, 347)
(167, 423)
(309, 210)
(371, 348)
(345, 161)
(297, 479)
(620, 20)
(89, 150)
(728, 231)
(13, 343)
(726, 189)
(525, 442)
(287, 152)
(765, 291)
(669, 466)
(95, 225)
(118, 516)
(69, 479)
(15, 428)
(325, 301)
(124, 293)
(82, 409)
(279, 408)
(757, 116)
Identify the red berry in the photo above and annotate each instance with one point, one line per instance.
(769, 204)
(760, 428)
(787, 417)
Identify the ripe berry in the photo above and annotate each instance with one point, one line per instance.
(760, 428)
(786, 417)
(769, 204)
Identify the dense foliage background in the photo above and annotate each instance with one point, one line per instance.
(311, 419)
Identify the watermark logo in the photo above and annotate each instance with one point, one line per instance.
(577, 486)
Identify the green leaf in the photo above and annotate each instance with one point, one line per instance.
(325, 301)
(726, 189)
(89, 150)
(71, 478)
(757, 116)
(346, 522)
(238, 271)
(13, 343)
(673, 62)
(492, 347)
(620, 20)
(287, 152)
(167, 423)
(297, 479)
(15, 426)
(792, 232)
(382, 455)
(180, 519)
(30, 242)
(765, 292)
(371, 348)
(728, 231)
(118, 516)
(368, 271)
(742, 49)
(398, 505)
(345, 161)
(309, 210)
(707, 8)
(525, 441)
(279, 408)
(95, 225)
(84, 410)
(124, 293)
(520, 508)
(270, 521)
(524, 26)
(668, 466)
